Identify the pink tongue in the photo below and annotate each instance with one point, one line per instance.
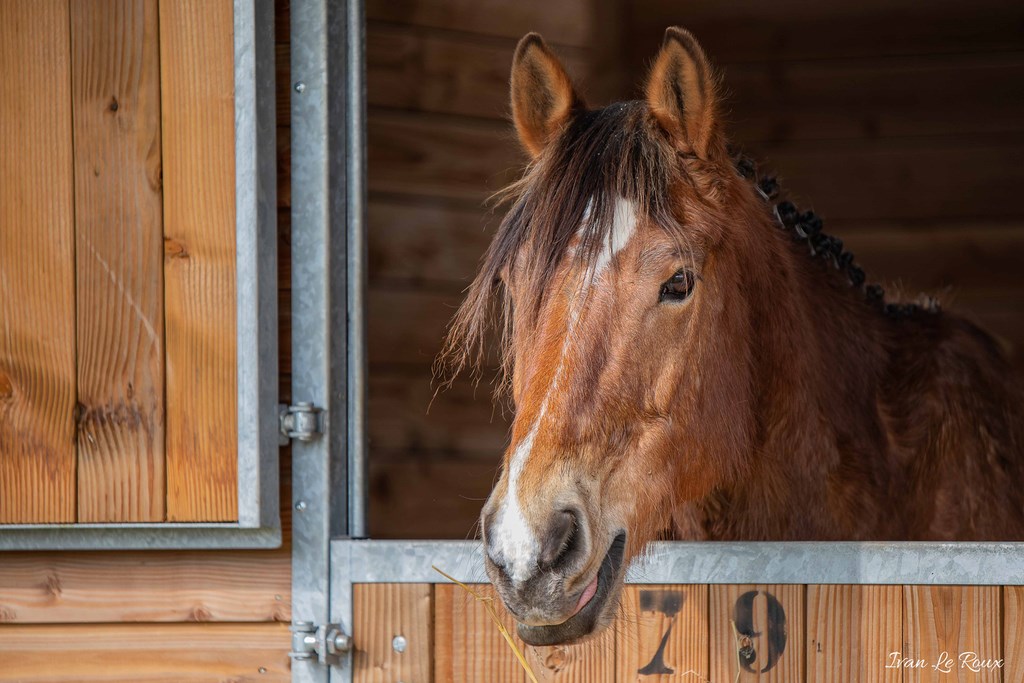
(588, 593)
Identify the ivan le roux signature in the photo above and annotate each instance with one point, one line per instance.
(945, 663)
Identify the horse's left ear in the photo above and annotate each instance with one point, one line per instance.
(682, 92)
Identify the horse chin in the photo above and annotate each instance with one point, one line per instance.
(595, 615)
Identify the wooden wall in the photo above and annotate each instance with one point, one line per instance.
(139, 616)
(901, 123)
(715, 634)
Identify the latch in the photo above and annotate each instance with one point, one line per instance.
(300, 422)
(326, 643)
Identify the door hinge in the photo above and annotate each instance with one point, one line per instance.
(301, 422)
(326, 643)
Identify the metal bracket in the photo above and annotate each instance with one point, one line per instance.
(300, 421)
(326, 643)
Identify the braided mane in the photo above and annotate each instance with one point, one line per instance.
(806, 227)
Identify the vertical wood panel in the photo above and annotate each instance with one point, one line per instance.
(940, 623)
(589, 662)
(851, 630)
(467, 644)
(772, 612)
(383, 611)
(119, 260)
(37, 306)
(662, 634)
(197, 93)
(1013, 634)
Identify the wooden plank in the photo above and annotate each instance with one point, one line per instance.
(146, 586)
(422, 496)
(145, 653)
(567, 22)
(429, 156)
(446, 73)
(662, 634)
(805, 30)
(769, 621)
(37, 300)
(119, 237)
(876, 98)
(406, 417)
(1013, 634)
(467, 645)
(197, 78)
(851, 631)
(592, 661)
(383, 612)
(941, 624)
(426, 242)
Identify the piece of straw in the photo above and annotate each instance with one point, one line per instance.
(489, 606)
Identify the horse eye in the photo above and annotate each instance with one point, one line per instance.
(678, 287)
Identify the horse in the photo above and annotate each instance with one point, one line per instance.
(691, 358)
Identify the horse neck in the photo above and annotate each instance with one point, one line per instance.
(818, 353)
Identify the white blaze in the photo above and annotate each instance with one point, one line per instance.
(512, 538)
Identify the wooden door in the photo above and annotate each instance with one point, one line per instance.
(118, 398)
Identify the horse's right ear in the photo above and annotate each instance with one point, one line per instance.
(543, 96)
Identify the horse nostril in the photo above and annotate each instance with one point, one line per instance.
(564, 537)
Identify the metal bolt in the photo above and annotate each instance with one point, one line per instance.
(300, 87)
(342, 643)
(262, 669)
(398, 644)
(300, 506)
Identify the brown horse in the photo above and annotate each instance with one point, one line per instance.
(689, 359)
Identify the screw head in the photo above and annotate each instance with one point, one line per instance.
(300, 506)
(300, 87)
(262, 669)
(398, 644)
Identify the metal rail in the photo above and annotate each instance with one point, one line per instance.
(678, 562)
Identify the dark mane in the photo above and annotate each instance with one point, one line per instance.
(571, 190)
(806, 229)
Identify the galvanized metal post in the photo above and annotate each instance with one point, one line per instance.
(327, 272)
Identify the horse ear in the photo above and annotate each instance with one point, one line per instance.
(682, 92)
(543, 96)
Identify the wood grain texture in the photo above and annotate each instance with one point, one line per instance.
(145, 653)
(467, 645)
(446, 73)
(406, 418)
(115, 60)
(1013, 634)
(876, 98)
(425, 497)
(37, 275)
(749, 610)
(941, 623)
(380, 613)
(805, 30)
(662, 634)
(850, 632)
(589, 662)
(146, 586)
(566, 23)
(197, 91)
